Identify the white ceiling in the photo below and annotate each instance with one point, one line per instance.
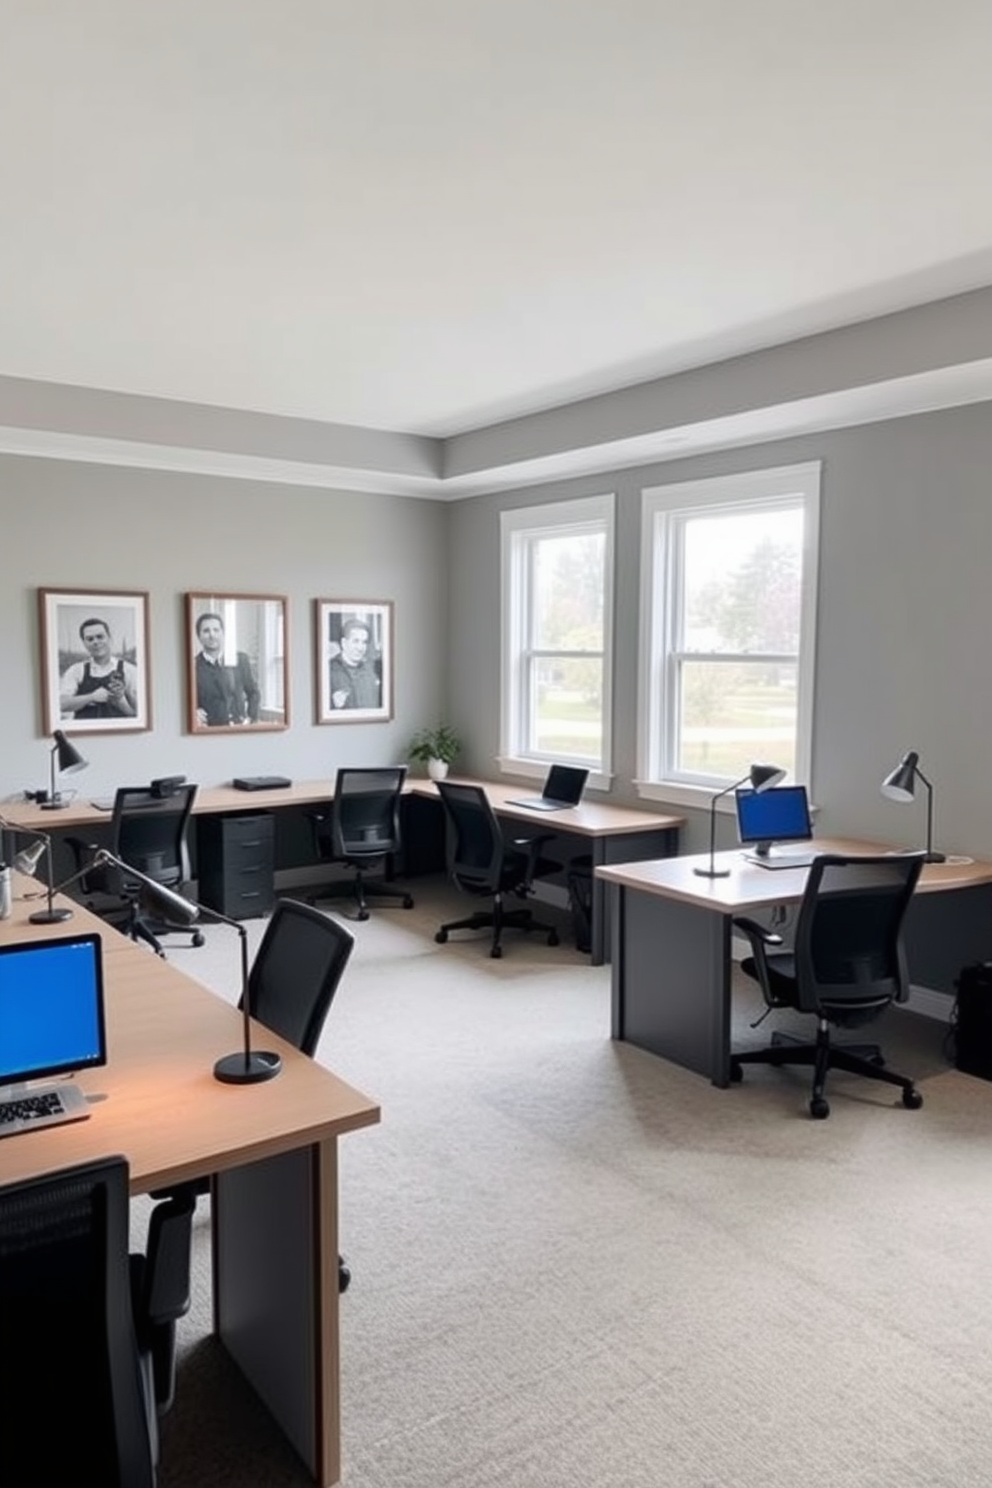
(430, 215)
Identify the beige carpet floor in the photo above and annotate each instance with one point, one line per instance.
(576, 1265)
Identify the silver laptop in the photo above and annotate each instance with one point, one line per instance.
(52, 1023)
(562, 789)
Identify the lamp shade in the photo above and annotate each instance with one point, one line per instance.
(900, 785)
(763, 777)
(27, 860)
(67, 756)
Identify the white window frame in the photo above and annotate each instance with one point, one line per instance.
(519, 527)
(663, 507)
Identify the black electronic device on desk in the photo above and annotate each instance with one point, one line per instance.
(260, 782)
(770, 817)
(563, 788)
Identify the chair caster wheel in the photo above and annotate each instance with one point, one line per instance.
(496, 953)
(197, 939)
(344, 1277)
(408, 902)
(362, 914)
(819, 1109)
(912, 1100)
(736, 1072)
(441, 937)
(553, 937)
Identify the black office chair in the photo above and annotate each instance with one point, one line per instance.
(481, 862)
(362, 831)
(75, 1331)
(148, 830)
(294, 976)
(846, 966)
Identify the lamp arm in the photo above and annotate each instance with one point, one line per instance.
(725, 792)
(712, 871)
(929, 811)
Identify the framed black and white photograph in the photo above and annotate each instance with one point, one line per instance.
(94, 661)
(238, 654)
(354, 653)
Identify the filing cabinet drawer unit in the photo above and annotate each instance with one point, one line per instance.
(237, 864)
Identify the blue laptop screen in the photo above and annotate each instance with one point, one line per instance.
(777, 815)
(51, 1008)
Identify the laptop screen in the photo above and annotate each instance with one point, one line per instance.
(565, 783)
(51, 1008)
(777, 815)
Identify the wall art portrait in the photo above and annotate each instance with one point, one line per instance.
(354, 654)
(94, 661)
(238, 658)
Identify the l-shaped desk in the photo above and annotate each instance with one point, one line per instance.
(672, 942)
(604, 833)
(271, 1150)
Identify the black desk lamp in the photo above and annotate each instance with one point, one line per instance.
(68, 758)
(760, 778)
(26, 862)
(900, 785)
(248, 1066)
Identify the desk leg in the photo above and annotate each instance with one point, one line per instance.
(627, 847)
(671, 981)
(276, 1293)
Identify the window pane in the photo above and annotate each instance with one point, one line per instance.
(568, 581)
(566, 711)
(733, 715)
(743, 581)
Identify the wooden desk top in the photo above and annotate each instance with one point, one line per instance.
(164, 1110)
(749, 886)
(589, 818)
(209, 800)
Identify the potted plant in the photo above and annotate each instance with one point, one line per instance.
(437, 748)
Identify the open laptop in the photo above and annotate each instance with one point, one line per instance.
(562, 789)
(767, 819)
(52, 1022)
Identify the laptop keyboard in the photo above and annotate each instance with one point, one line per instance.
(31, 1107)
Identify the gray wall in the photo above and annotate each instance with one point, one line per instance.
(903, 638)
(66, 525)
(904, 626)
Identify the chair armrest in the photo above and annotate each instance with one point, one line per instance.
(759, 933)
(537, 867)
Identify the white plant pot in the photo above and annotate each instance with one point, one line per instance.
(437, 769)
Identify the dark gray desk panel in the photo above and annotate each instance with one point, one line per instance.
(630, 847)
(671, 981)
(945, 932)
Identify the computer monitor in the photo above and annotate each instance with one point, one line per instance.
(52, 1018)
(777, 815)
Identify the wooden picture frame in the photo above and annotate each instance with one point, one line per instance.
(95, 661)
(237, 648)
(354, 660)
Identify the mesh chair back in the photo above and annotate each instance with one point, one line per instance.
(296, 972)
(476, 849)
(365, 813)
(149, 832)
(848, 943)
(66, 1308)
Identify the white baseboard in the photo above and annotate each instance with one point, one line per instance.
(930, 1004)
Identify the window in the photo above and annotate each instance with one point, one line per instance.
(557, 575)
(729, 604)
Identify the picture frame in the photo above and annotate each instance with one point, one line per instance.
(87, 635)
(354, 660)
(237, 649)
